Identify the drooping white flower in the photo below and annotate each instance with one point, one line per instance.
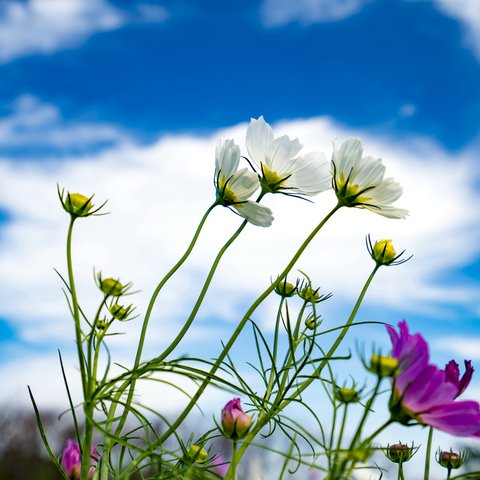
(234, 187)
(282, 170)
(359, 181)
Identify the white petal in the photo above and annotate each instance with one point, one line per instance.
(227, 158)
(280, 154)
(368, 172)
(259, 136)
(389, 212)
(255, 213)
(244, 184)
(347, 156)
(310, 174)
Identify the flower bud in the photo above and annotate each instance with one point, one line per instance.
(77, 205)
(235, 422)
(347, 395)
(101, 325)
(285, 289)
(383, 366)
(119, 312)
(383, 252)
(311, 322)
(111, 287)
(400, 452)
(450, 459)
(71, 461)
(197, 454)
(309, 294)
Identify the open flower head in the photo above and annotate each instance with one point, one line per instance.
(359, 181)
(425, 394)
(282, 169)
(234, 187)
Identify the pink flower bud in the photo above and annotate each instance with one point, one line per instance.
(71, 460)
(235, 421)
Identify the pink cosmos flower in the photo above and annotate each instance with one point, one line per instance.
(221, 465)
(71, 460)
(235, 421)
(424, 393)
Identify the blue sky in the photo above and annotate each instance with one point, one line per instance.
(127, 99)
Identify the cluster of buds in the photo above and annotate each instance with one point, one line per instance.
(71, 460)
(235, 422)
(303, 289)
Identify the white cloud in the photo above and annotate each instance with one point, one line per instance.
(468, 13)
(152, 13)
(460, 346)
(32, 123)
(276, 13)
(47, 26)
(157, 194)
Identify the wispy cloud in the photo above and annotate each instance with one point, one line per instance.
(31, 124)
(276, 13)
(47, 26)
(460, 346)
(158, 192)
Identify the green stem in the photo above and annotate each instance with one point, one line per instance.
(340, 437)
(232, 471)
(84, 373)
(428, 454)
(366, 411)
(141, 342)
(271, 380)
(400, 471)
(261, 422)
(76, 310)
(136, 461)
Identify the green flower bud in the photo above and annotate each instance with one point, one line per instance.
(119, 312)
(400, 452)
(383, 366)
(383, 252)
(450, 459)
(197, 454)
(101, 324)
(77, 205)
(309, 294)
(285, 289)
(311, 323)
(111, 287)
(347, 395)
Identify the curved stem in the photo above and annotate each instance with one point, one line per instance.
(141, 342)
(261, 422)
(428, 454)
(76, 310)
(228, 346)
(366, 411)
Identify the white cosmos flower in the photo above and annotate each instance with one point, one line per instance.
(282, 170)
(359, 182)
(235, 187)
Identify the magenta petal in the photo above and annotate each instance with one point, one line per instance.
(428, 390)
(467, 376)
(457, 418)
